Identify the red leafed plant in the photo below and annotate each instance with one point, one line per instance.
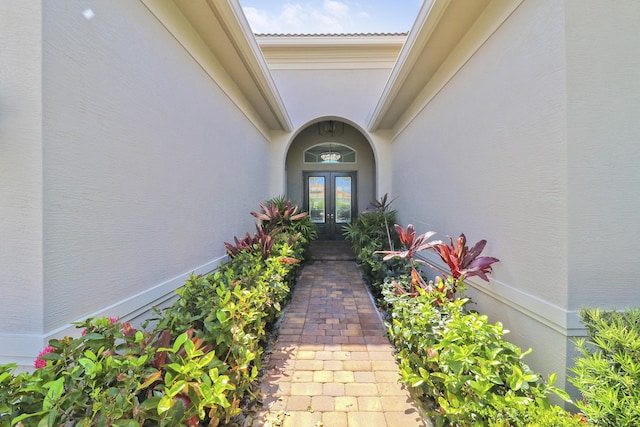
(259, 241)
(412, 245)
(462, 261)
(277, 214)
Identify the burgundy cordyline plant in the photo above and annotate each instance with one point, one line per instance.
(412, 245)
(462, 261)
(274, 217)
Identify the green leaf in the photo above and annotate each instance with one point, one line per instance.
(182, 338)
(150, 380)
(88, 365)
(152, 402)
(417, 383)
(55, 389)
(19, 418)
(176, 388)
(93, 336)
(222, 316)
(164, 405)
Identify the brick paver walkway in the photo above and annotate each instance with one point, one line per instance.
(332, 365)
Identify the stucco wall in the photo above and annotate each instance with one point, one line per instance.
(310, 94)
(488, 157)
(20, 172)
(148, 165)
(603, 86)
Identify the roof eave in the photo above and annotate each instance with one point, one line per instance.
(231, 15)
(217, 35)
(444, 37)
(335, 51)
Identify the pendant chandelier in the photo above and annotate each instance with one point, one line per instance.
(330, 156)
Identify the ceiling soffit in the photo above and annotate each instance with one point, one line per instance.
(446, 34)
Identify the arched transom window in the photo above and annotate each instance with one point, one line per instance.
(330, 152)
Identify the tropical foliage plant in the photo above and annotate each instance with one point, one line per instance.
(456, 361)
(369, 233)
(412, 245)
(281, 216)
(461, 261)
(258, 241)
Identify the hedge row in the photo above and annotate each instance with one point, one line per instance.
(195, 365)
(454, 360)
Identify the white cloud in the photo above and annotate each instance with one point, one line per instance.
(329, 17)
(258, 19)
(336, 8)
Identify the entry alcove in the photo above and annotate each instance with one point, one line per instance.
(331, 164)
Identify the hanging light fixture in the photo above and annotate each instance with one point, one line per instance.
(330, 156)
(330, 128)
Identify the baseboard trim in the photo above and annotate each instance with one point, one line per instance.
(22, 349)
(561, 320)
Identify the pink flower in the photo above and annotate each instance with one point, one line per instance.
(40, 363)
(113, 320)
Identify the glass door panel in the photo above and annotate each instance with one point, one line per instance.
(316, 185)
(342, 197)
(330, 199)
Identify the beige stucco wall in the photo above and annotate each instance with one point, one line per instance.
(148, 167)
(20, 173)
(487, 157)
(603, 127)
(350, 93)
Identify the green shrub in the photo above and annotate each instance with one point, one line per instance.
(459, 361)
(608, 372)
(374, 271)
(455, 361)
(195, 367)
(369, 229)
(537, 416)
(230, 310)
(114, 375)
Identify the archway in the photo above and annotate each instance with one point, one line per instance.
(331, 171)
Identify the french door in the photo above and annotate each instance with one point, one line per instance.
(330, 198)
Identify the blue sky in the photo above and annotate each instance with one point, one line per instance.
(330, 16)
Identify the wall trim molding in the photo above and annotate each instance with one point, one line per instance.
(23, 348)
(561, 320)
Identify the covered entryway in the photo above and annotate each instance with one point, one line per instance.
(330, 171)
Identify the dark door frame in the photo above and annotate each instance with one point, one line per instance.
(330, 228)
